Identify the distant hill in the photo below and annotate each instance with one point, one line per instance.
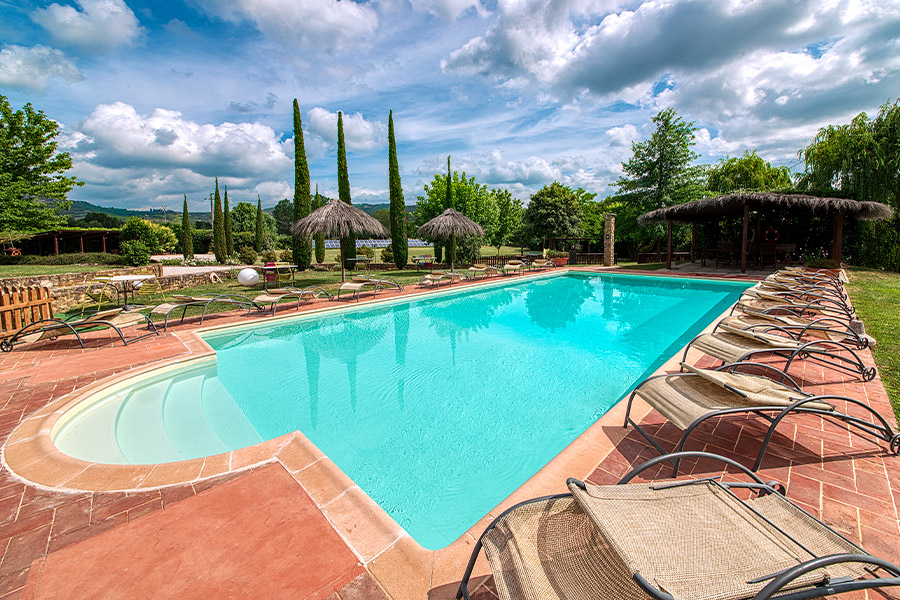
(80, 208)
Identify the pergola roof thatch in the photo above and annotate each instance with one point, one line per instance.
(733, 204)
(450, 223)
(337, 219)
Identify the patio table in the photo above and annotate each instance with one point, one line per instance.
(128, 284)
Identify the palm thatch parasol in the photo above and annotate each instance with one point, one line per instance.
(450, 224)
(337, 219)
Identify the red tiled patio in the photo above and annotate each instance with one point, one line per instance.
(258, 533)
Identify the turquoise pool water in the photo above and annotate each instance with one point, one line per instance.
(437, 407)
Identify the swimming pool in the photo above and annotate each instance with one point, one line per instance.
(438, 407)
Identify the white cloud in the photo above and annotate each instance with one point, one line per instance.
(321, 24)
(448, 9)
(31, 68)
(120, 137)
(359, 134)
(99, 25)
(622, 135)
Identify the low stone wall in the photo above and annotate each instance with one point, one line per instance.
(60, 280)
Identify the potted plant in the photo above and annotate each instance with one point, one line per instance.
(559, 258)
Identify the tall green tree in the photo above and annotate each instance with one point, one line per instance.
(258, 239)
(301, 249)
(399, 242)
(31, 170)
(319, 202)
(554, 211)
(218, 227)
(284, 216)
(187, 239)
(348, 243)
(658, 174)
(749, 173)
(860, 160)
(229, 233)
(509, 219)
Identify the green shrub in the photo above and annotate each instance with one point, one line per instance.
(79, 258)
(286, 256)
(244, 238)
(269, 256)
(247, 254)
(468, 249)
(366, 251)
(202, 239)
(387, 254)
(157, 238)
(557, 254)
(135, 253)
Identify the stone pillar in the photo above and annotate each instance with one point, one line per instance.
(609, 240)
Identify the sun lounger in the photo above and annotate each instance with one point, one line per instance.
(514, 266)
(688, 399)
(275, 296)
(542, 264)
(359, 284)
(484, 270)
(777, 284)
(824, 328)
(183, 302)
(695, 539)
(51, 329)
(822, 305)
(731, 345)
(436, 277)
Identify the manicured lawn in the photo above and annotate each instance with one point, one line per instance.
(876, 297)
(26, 270)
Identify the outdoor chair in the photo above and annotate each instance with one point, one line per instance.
(695, 539)
(203, 302)
(514, 266)
(689, 399)
(733, 345)
(724, 254)
(768, 257)
(436, 277)
(821, 277)
(99, 292)
(818, 304)
(483, 270)
(359, 284)
(51, 329)
(275, 296)
(780, 284)
(781, 307)
(825, 328)
(542, 264)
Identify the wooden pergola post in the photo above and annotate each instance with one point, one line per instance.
(744, 241)
(56, 245)
(103, 241)
(837, 239)
(669, 245)
(81, 243)
(694, 241)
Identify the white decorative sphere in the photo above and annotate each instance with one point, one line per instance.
(248, 277)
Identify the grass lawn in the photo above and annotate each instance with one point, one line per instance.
(27, 270)
(876, 296)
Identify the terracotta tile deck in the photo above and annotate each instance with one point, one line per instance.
(848, 481)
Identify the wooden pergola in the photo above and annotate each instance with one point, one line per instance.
(61, 235)
(708, 209)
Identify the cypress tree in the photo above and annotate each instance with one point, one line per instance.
(301, 249)
(187, 240)
(229, 236)
(398, 207)
(257, 242)
(319, 202)
(348, 243)
(218, 227)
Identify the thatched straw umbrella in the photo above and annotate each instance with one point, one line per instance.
(337, 219)
(450, 224)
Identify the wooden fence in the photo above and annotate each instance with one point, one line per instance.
(22, 306)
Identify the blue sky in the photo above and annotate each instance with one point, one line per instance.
(157, 98)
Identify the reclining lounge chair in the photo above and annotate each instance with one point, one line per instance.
(688, 399)
(51, 329)
(358, 284)
(514, 266)
(825, 328)
(694, 539)
(274, 296)
(484, 270)
(204, 302)
(436, 277)
(731, 345)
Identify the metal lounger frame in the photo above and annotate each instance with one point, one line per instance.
(880, 429)
(822, 305)
(8, 343)
(379, 283)
(820, 324)
(778, 581)
(299, 295)
(235, 299)
(808, 351)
